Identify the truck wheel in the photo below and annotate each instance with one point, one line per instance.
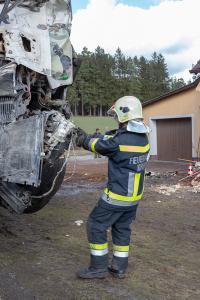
(49, 173)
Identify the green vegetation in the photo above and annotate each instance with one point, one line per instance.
(89, 124)
(103, 78)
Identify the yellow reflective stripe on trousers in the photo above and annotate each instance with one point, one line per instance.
(140, 149)
(120, 248)
(99, 249)
(98, 246)
(93, 144)
(122, 198)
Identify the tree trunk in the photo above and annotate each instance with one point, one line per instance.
(94, 110)
(100, 110)
(75, 109)
(82, 107)
(90, 110)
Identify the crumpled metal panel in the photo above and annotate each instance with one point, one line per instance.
(12, 105)
(21, 145)
(7, 80)
(40, 40)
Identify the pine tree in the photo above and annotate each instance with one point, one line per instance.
(144, 78)
(159, 75)
(104, 78)
(176, 83)
(73, 98)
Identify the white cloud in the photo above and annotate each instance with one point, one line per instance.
(172, 25)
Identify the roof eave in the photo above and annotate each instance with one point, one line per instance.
(180, 90)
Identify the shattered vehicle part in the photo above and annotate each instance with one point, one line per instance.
(14, 197)
(36, 66)
(40, 39)
(20, 153)
(14, 96)
(57, 128)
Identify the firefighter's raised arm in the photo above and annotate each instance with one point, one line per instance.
(106, 145)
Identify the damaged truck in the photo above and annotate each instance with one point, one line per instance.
(37, 64)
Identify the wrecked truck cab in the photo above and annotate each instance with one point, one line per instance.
(37, 36)
(36, 66)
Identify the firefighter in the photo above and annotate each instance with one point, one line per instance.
(128, 153)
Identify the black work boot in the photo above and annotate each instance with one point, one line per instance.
(92, 273)
(97, 268)
(118, 267)
(116, 273)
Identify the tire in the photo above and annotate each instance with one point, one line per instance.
(49, 173)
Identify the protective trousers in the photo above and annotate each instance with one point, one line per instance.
(100, 219)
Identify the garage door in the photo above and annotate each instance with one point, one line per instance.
(174, 139)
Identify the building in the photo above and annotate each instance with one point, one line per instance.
(174, 120)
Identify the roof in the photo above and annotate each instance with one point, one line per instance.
(196, 68)
(172, 93)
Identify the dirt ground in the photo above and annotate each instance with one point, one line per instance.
(41, 253)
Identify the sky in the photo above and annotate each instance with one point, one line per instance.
(140, 27)
(81, 4)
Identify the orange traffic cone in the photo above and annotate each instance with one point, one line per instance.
(190, 170)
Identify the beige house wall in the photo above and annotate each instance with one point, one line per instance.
(183, 104)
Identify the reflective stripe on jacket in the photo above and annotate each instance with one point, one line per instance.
(128, 154)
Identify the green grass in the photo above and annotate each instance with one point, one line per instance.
(89, 124)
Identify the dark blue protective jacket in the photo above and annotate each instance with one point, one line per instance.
(128, 154)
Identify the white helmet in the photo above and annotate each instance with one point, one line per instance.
(127, 108)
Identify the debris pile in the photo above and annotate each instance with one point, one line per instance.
(196, 183)
(191, 182)
(166, 190)
(193, 177)
(159, 175)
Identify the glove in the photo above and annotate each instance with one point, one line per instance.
(81, 135)
(111, 132)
